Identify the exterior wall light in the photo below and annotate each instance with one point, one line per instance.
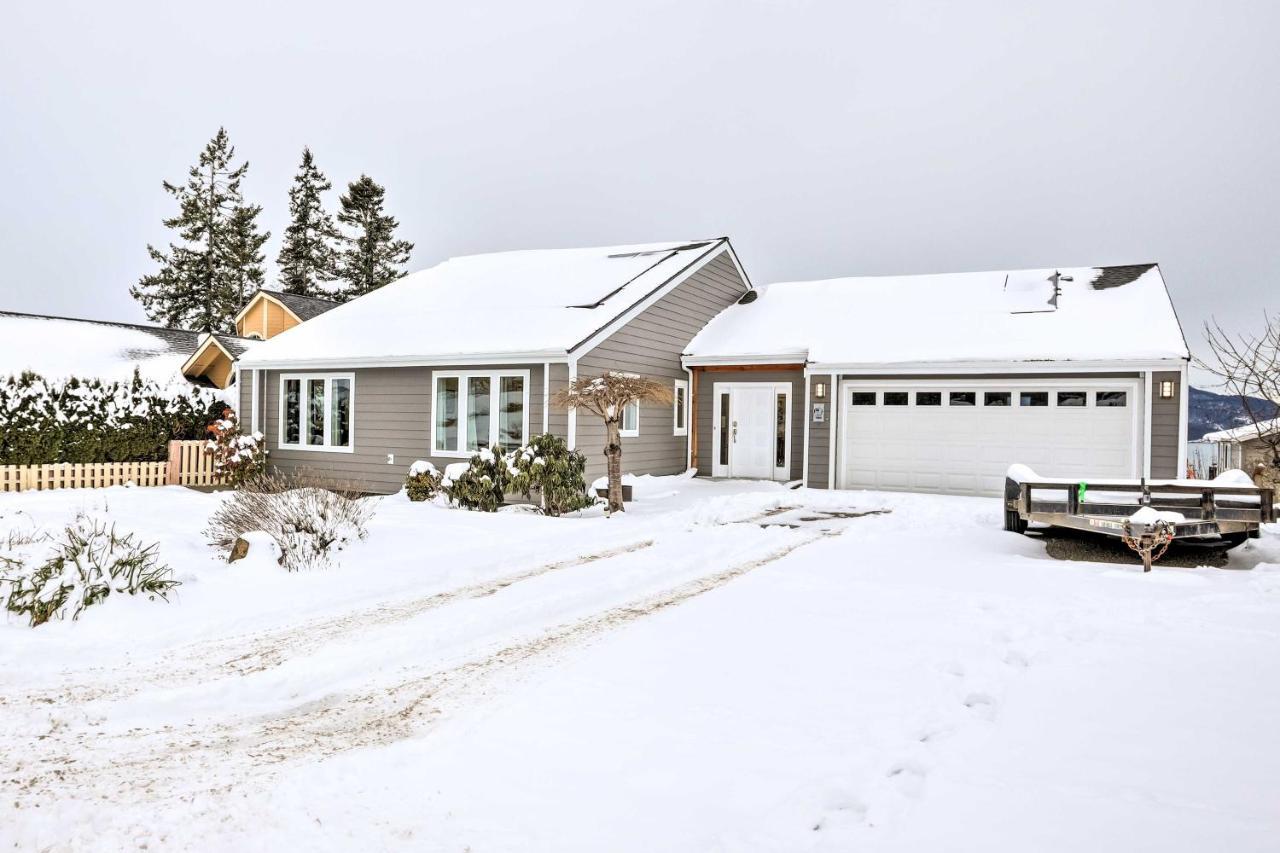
(1166, 389)
(819, 390)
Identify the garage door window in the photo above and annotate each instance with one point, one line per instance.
(1034, 398)
(1072, 399)
(1113, 399)
(862, 398)
(964, 398)
(928, 398)
(895, 398)
(997, 398)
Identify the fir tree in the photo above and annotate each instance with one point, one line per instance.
(309, 255)
(203, 279)
(372, 257)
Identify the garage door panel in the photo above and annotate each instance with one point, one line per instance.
(966, 449)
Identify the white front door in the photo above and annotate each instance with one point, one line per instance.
(751, 435)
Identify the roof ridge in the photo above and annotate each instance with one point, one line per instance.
(140, 326)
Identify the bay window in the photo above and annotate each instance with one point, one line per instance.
(315, 411)
(478, 410)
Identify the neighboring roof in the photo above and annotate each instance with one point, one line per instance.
(539, 303)
(303, 307)
(1093, 314)
(1243, 433)
(235, 346)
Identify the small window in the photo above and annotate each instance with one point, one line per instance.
(1113, 399)
(1072, 399)
(964, 398)
(780, 431)
(862, 398)
(1034, 398)
(680, 408)
(292, 411)
(997, 398)
(447, 413)
(895, 398)
(630, 426)
(724, 429)
(928, 398)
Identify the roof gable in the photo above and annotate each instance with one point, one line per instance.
(526, 304)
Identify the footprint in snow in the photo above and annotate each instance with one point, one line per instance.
(982, 704)
(908, 777)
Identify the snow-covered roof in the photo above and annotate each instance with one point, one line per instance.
(1243, 433)
(1095, 313)
(535, 302)
(61, 347)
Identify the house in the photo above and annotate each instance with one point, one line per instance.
(929, 383)
(1241, 447)
(61, 347)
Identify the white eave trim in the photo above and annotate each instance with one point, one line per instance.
(798, 357)
(499, 359)
(970, 367)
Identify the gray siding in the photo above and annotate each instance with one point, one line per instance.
(392, 415)
(1165, 432)
(820, 434)
(651, 345)
(245, 395)
(704, 410)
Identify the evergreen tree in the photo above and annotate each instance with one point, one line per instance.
(203, 279)
(309, 255)
(372, 257)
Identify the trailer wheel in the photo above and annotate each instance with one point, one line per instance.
(1013, 522)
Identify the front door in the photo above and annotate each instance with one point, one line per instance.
(752, 436)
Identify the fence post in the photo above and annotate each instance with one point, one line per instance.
(173, 473)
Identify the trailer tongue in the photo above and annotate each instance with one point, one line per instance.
(1146, 515)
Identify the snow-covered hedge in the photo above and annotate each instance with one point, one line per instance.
(545, 466)
(311, 524)
(87, 420)
(423, 482)
(43, 578)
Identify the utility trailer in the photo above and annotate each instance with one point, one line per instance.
(1147, 515)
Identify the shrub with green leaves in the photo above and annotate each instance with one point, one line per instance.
(88, 420)
(423, 482)
(484, 484)
(546, 466)
(86, 566)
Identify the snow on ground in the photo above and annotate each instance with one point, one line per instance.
(729, 666)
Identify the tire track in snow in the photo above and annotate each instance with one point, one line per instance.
(260, 651)
(226, 755)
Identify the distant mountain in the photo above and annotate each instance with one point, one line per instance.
(1210, 412)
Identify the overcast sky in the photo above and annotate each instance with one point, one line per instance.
(825, 138)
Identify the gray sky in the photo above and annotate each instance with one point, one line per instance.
(826, 138)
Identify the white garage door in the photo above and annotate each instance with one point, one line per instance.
(960, 437)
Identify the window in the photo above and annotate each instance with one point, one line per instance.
(928, 398)
(895, 398)
(316, 412)
(1034, 398)
(964, 398)
(997, 398)
(479, 410)
(780, 430)
(1072, 399)
(630, 426)
(680, 408)
(862, 398)
(1112, 399)
(724, 429)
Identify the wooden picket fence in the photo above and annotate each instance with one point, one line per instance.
(187, 465)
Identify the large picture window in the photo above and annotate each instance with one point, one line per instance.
(316, 411)
(476, 410)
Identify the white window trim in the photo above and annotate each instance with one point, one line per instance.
(677, 428)
(459, 452)
(255, 397)
(328, 378)
(629, 433)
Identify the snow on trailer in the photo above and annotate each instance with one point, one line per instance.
(1148, 515)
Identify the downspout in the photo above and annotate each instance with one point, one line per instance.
(691, 421)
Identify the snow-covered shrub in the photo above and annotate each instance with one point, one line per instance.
(237, 457)
(548, 467)
(89, 563)
(423, 482)
(311, 524)
(88, 420)
(484, 484)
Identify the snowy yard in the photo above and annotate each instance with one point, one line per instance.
(729, 666)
